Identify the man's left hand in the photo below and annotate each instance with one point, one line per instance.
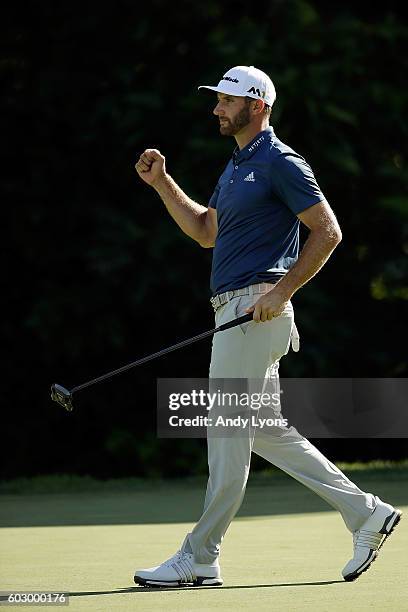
(270, 305)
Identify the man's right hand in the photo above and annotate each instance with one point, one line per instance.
(151, 167)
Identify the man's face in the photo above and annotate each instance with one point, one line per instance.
(233, 113)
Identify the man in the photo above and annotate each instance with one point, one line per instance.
(252, 222)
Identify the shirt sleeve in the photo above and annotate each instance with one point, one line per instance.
(294, 182)
(213, 200)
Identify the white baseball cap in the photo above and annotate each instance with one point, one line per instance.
(246, 81)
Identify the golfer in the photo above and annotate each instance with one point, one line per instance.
(252, 222)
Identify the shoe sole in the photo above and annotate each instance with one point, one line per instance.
(199, 581)
(395, 518)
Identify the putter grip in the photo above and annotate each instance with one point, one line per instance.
(234, 322)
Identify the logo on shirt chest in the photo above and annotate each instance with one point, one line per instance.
(250, 178)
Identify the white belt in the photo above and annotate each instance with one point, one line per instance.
(219, 300)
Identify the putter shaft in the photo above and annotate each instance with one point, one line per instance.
(63, 396)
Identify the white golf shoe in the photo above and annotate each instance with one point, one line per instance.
(370, 537)
(180, 570)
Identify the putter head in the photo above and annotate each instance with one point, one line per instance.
(62, 396)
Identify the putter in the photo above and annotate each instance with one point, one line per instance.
(63, 396)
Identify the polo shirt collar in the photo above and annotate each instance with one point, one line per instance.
(247, 152)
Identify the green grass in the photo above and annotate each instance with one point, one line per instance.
(284, 551)
(71, 483)
(277, 563)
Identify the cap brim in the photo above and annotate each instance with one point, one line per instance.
(223, 89)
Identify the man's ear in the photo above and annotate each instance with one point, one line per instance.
(258, 106)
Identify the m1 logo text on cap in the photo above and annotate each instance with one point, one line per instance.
(256, 92)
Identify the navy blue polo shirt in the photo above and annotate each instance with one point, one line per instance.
(262, 189)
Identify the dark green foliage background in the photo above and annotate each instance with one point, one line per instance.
(95, 271)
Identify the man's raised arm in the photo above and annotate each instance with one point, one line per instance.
(195, 220)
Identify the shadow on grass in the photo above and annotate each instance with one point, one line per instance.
(205, 588)
(170, 502)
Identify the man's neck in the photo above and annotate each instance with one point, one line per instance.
(248, 133)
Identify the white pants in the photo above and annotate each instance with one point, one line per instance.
(252, 351)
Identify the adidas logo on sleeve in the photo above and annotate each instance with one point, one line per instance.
(250, 177)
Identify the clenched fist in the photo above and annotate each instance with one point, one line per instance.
(151, 166)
